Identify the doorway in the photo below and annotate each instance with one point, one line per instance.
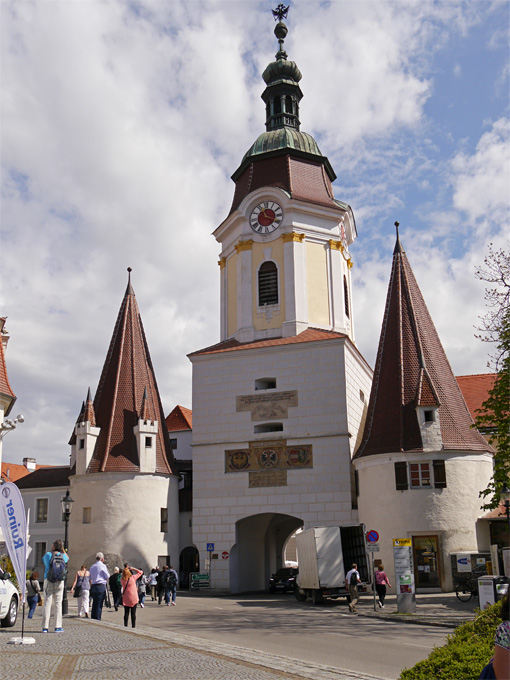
(426, 561)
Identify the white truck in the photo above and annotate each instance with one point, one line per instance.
(325, 555)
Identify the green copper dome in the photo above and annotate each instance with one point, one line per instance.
(283, 138)
(283, 69)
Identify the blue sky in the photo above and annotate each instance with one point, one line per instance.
(122, 123)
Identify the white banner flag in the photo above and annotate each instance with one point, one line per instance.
(14, 527)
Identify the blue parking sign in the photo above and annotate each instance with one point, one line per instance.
(210, 547)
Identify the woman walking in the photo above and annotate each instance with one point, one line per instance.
(381, 581)
(130, 593)
(33, 592)
(81, 590)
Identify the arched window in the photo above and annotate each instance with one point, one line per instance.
(268, 284)
(288, 104)
(346, 298)
(277, 105)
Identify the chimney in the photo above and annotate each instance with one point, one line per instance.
(30, 464)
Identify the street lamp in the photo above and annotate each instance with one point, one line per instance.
(67, 506)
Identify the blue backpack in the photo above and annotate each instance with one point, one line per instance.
(57, 571)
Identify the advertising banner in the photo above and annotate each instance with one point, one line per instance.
(14, 527)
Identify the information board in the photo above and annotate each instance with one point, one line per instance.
(404, 574)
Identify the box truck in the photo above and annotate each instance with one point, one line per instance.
(325, 555)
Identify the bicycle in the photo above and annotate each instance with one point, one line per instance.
(468, 588)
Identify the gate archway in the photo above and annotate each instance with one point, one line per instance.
(259, 549)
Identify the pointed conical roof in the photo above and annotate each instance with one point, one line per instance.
(179, 419)
(126, 382)
(412, 370)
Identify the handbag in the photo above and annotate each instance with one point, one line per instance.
(487, 672)
(39, 598)
(41, 601)
(77, 591)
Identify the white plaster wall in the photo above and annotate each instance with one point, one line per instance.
(126, 518)
(318, 496)
(49, 531)
(184, 450)
(451, 513)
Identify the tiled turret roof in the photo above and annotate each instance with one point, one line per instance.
(412, 370)
(6, 393)
(127, 390)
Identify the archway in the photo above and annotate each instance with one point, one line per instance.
(258, 550)
(188, 563)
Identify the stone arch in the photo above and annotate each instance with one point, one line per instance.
(259, 549)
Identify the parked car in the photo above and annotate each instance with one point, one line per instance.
(9, 601)
(283, 580)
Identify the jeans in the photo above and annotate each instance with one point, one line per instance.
(170, 592)
(97, 593)
(52, 590)
(32, 603)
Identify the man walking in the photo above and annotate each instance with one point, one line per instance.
(171, 583)
(99, 576)
(351, 583)
(55, 571)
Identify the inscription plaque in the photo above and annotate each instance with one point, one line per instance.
(270, 478)
(267, 406)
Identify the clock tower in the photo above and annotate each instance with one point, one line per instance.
(285, 264)
(278, 403)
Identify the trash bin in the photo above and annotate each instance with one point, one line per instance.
(491, 589)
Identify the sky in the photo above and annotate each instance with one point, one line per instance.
(122, 122)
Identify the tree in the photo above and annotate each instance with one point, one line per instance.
(494, 416)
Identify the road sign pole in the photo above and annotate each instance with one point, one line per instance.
(373, 580)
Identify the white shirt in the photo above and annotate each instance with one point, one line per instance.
(348, 576)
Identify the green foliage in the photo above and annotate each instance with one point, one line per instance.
(466, 652)
(494, 416)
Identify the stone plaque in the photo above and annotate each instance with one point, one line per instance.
(267, 406)
(270, 478)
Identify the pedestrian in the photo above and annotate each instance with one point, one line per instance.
(55, 571)
(498, 667)
(116, 588)
(130, 593)
(81, 590)
(33, 592)
(142, 589)
(160, 587)
(381, 581)
(351, 584)
(171, 583)
(99, 576)
(153, 582)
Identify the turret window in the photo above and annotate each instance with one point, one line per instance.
(288, 104)
(268, 284)
(420, 475)
(277, 105)
(346, 298)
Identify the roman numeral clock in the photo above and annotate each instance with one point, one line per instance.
(266, 217)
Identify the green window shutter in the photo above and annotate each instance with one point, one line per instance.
(401, 476)
(439, 474)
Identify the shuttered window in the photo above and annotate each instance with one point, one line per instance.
(268, 284)
(401, 476)
(439, 474)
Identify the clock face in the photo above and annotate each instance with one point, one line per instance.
(266, 217)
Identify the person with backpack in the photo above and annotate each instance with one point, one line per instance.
(55, 572)
(351, 583)
(171, 583)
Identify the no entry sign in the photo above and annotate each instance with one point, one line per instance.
(224, 555)
(372, 536)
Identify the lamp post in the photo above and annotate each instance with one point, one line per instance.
(67, 506)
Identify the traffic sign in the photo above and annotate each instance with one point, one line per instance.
(224, 555)
(199, 581)
(373, 547)
(372, 536)
(210, 547)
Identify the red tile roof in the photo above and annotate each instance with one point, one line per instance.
(497, 513)
(475, 389)
(127, 376)
(179, 419)
(5, 387)
(11, 472)
(309, 335)
(412, 369)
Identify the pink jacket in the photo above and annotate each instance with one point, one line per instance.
(129, 589)
(381, 578)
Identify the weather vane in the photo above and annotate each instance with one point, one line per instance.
(280, 12)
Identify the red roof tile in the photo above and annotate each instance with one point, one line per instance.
(412, 369)
(5, 387)
(475, 389)
(11, 472)
(179, 419)
(126, 375)
(309, 335)
(497, 513)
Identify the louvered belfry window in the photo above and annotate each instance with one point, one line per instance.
(268, 284)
